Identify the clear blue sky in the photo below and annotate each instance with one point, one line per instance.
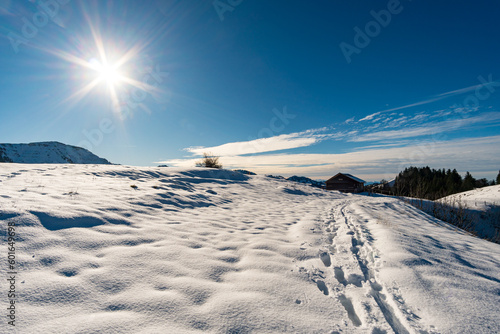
(283, 87)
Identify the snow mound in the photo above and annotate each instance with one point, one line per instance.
(48, 152)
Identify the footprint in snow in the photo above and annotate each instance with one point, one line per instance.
(339, 275)
(325, 258)
(351, 313)
(322, 287)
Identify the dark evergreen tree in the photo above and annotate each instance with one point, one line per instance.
(469, 182)
(482, 183)
(498, 177)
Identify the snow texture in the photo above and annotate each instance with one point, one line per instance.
(119, 249)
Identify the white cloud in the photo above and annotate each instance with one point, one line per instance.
(442, 96)
(350, 120)
(386, 141)
(429, 129)
(369, 117)
(276, 143)
(408, 127)
(472, 154)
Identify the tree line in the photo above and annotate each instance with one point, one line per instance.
(427, 183)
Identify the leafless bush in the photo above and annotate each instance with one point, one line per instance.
(209, 161)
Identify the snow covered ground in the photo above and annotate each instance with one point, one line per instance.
(478, 199)
(119, 249)
(477, 211)
(483, 207)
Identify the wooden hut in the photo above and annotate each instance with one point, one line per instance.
(345, 183)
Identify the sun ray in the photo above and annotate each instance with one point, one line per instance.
(81, 93)
(109, 68)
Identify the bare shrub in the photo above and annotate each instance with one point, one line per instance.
(209, 161)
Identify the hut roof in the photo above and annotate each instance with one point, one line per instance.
(357, 179)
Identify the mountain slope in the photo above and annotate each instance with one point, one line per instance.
(120, 249)
(47, 153)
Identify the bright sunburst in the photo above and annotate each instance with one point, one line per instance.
(108, 73)
(110, 67)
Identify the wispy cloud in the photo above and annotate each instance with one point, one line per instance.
(369, 117)
(378, 129)
(429, 128)
(445, 95)
(472, 154)
(388, 142)
(271, 144)
(415, 104)
(350, 120)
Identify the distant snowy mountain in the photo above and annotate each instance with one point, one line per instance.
(306, 180)
(300, 179)
(48, 153)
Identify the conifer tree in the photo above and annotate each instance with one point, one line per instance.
(468, 183)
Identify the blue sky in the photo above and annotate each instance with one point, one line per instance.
(281, 87)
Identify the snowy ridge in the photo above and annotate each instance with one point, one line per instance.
(120, 249)
(46, 153)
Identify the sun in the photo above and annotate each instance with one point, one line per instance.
(112, 69)
(110, 75)
(107, 73)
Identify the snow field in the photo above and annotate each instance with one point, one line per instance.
(122, 249)
(193, 251)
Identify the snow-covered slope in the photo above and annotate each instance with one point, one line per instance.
(47, 153)
(119, 249)
(482, 207)
(479, 199)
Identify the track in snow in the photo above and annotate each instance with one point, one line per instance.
(350, 275)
